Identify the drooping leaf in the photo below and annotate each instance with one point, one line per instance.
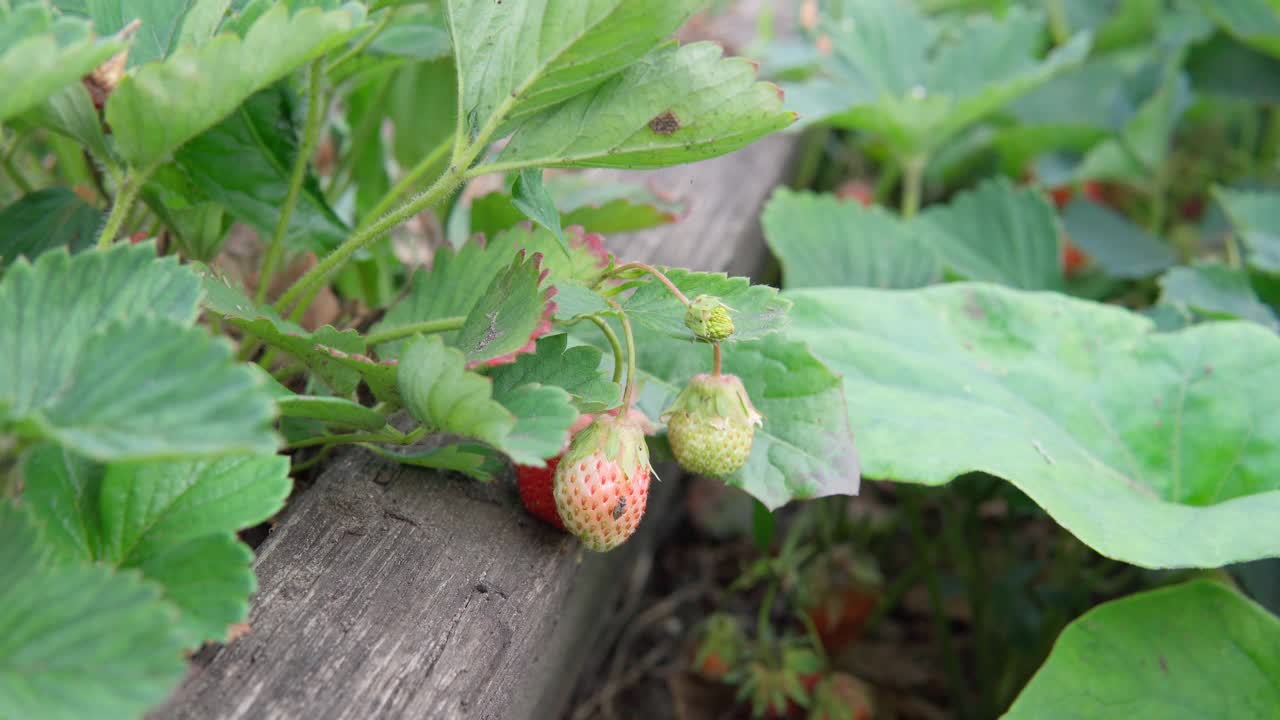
(45, 220)
(173, 521)
(576, 369)
(515, 60)
(1143, 444)
(531, 198)
(1183, 652)
(99, 354)
(78, 640)
(1217, 291)
(1255, 217)
(458, 284)
(473, 459)
(823, 241)
(245, 162)
(1000, 234)
(1253, 22)
(675, 105)
(41, 54)
(69, 111)
(512, 314)
(313, 349)
(1115, 244)
(153, 111)
(757, 310)
(895, 73)
(442, 395)
(804, 449)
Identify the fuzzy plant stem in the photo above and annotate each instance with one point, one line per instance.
(657, 274)
(412, 178)
(628, 393)
(125, 195)
(364, 42)
(310, 138)
(912, 185)
(715, 360)
(614, 345)
(314, 278)
(422, 328)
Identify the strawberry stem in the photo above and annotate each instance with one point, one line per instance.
(628, 393)
(657, 274)
(612, 337)
(715, 362)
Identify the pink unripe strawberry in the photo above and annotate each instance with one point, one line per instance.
(711, 425)
(602, 482)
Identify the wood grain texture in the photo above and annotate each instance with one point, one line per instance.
(390, 592)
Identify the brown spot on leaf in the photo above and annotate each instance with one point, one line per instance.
(665, 123)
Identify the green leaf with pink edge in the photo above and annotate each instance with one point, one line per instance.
(459, 282)
(312, 349)
(529, 422)
(757, 310)
(513, 313)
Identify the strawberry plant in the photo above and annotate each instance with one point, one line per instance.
(157, 392)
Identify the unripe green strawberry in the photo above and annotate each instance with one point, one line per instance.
(602, 482)
(708, 318)
(711, 425)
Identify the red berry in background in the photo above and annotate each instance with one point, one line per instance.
(1073, 258)
(841, 696)
(720, 646)
(857, 190)
(536, 483)
(1192, 209)
(837, 592)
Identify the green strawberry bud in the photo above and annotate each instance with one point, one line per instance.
(711, 425)
(708, 318)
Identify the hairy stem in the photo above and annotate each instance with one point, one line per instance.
(412, 178)
(616, 347)
(628, 393)
(654, 272)
(364, 42)
(310, 138)
(125, 195)
(715, 360)
(912, 185)
(316, 276)
(426, 327)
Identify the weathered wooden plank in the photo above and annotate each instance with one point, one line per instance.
(387, 591)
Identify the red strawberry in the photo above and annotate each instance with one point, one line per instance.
(838, 592)
(602, 483)
(857, 190)
(535, 483)
(721, 644)
(1073, 258)
(841, 696)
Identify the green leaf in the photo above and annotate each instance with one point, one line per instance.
(804, 449)
(511, 315)
(756, 309)
(313, 349)
(1119, 247)
(422, 103)
(514, 61)
(1145, 445)
(896, 73)
(999, 234)
(1184, 652)
(45, 220)
(531, 198)
(575, 301)
(1253, 22)
(576, 369)
(163, 105)
(163, 23)
(419, 32)
(1216, 291)
(821, 240)
(442, 395)
(339, 412)
(245, 163)
(100, 355)
(675, 105)
(379, 376)
(1255, 217)
(78, 641)
(1225, 68)
(595, 207)
(174, 521)
(459, 283)
(40, 55)
(70, 111)
(472, 459)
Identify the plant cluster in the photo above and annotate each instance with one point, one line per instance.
(155, 396)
